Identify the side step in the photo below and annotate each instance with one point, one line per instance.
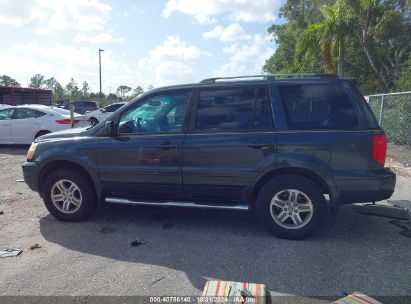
(118, 200)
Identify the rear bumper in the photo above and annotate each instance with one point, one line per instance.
(30, 174)
(366, 186)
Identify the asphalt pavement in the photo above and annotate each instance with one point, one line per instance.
(182, 248)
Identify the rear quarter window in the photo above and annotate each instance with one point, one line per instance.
(317, 107)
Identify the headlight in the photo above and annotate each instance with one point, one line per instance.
(31, 151)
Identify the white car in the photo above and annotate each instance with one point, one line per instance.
(98, 115)
(22, 124)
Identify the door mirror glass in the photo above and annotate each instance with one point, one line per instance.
(109, 128)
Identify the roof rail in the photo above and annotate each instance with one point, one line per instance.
(271, 76)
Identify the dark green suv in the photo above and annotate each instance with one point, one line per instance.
(284, 145)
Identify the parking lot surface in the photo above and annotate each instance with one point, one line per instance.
(183, 248)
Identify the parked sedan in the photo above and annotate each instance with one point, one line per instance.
(81, 106)
(23, 124)
(101, 114)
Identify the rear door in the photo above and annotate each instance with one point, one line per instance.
(322, 121)
(25, 124)
(229, 141)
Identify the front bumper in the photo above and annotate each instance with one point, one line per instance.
(30, 174)
(366, 186)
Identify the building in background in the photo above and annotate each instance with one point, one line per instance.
(18, 96)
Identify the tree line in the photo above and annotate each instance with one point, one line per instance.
(369, 40)
(74, 91)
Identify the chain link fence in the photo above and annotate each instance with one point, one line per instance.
(393, 112)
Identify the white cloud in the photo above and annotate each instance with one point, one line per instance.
(60, 61)
(204, 11)
(103, 37)
(246, 58)
(174, 61)
(51, 15)
(230, 33)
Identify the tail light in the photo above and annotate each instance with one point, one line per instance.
(379, 148)
(65, 121)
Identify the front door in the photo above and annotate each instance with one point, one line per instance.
(229, 142)
(5, 126)
(144, 160)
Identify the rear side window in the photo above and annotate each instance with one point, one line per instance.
(317, 107)
(27, 113)
(233, 110)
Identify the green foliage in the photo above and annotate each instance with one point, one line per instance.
(404, 82)
(8, 81)
(85, 90)
(123, 90)
(37, 81)
(369, 38)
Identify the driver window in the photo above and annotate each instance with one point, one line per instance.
(157, 114)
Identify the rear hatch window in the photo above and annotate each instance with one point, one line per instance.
(317, 106)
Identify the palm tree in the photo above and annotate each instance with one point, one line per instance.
(325, 37)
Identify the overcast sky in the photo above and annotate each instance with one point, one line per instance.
(145, 42)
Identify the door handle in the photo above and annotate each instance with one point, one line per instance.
(258, 144)
(166, 145)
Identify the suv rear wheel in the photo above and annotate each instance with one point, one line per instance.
(68, 195)
(291, 206)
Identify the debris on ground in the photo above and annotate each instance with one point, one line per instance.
(138, 243)
(1, 212)
(20, 180)
(106, 230)
(383, 210)
(9, 252)
(167, 226)
(35, 246)
(156, 281)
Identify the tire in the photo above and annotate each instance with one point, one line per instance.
(73, 206)
(93, 121)
(291, 206)
(41, 133)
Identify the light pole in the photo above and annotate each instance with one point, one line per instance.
(99, 64)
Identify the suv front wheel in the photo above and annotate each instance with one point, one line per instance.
(68, 195)
(291, 206)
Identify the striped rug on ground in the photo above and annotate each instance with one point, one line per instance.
(357, 298)
(231, 291)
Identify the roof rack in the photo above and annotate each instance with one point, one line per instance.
(271, 76)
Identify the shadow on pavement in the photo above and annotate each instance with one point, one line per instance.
(352, 252)
(14, 149)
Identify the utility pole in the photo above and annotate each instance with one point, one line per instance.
(99, 64)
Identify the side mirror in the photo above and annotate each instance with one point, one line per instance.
(109, 128)
(103, 110)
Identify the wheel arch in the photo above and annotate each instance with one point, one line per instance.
(309, 174)
(57, 164)
(41, 131)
